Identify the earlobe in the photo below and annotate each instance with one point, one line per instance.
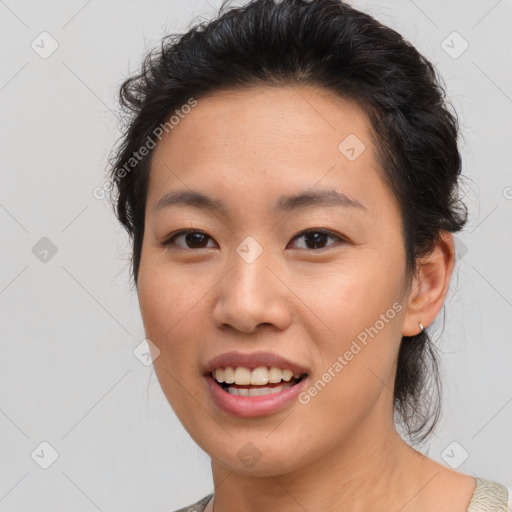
(430, 286)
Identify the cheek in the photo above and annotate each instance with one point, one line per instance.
(170, 304)
(170, 321)
(360, 308)
(353, 296)
(168, 297)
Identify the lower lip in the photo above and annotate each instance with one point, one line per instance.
(251, 406)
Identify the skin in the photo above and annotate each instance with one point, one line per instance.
(341, 451)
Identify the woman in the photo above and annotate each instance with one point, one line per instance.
(289, 180)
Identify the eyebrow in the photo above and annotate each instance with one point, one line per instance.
(285, 204)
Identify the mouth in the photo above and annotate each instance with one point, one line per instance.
(251, 385)
(253, 382)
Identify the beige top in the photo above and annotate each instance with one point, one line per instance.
(488, 496)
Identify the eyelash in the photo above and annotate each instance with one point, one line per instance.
(169, 241)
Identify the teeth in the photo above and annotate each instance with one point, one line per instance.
(242, 376)
(243, 392)
(258, 391)
(229, 375)
(287, 375)
(274, 375)
(258, 377)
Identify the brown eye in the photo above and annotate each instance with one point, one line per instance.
(193, 239)
(317, 238)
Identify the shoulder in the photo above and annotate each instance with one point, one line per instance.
(490, 496)
(453, 491)
(199, 506)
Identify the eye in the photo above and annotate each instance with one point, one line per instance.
(194, 239)
(317, 238)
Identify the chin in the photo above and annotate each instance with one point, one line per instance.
(256, 456)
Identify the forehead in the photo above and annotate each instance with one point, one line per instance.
(287, 118)
(276, 138)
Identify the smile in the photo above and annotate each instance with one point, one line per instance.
(247, 392)
(241, 381)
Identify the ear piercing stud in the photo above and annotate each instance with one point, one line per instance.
(421, 327)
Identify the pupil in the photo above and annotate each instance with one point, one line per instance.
(195, 238)
(317, 238)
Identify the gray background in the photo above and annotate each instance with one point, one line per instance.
(70, 321)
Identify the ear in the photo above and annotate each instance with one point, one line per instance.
(429, 286)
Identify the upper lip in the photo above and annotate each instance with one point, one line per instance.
(253, 360)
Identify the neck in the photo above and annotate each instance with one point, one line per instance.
(371, 470)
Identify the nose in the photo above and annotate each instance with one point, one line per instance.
(251, 295)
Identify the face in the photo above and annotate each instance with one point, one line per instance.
(298, 253)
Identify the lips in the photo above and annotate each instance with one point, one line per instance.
(252, 361)
(241, 400)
